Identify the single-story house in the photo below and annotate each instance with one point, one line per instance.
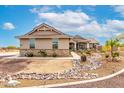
(51, 40)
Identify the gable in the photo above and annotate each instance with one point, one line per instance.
(44, 30)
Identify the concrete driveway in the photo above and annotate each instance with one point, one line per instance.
(8, 54)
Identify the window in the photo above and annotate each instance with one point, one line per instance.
(32, 43)
(82, 46)
(55, 43)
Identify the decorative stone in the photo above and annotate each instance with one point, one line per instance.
(73, 73)
(12, 83)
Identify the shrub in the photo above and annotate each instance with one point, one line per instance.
(11, 47)
(54, 55)
(83, 57)
(29, 54)
(88, 52)
(106, 55)
(106, 48)
(115, 54)
(42, 53)
(102, 51)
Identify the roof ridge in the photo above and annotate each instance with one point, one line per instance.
(44, 24)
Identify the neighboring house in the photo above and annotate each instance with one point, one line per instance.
(49, 39)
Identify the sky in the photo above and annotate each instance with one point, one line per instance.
(99, 22)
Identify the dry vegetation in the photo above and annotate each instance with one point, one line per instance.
(8, 50)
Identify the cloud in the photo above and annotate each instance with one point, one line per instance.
(41, 9)
(119, 9)
(68, 18)
(77, 22)
(118, 34)
(80, 23)
(8, 26)
(92, 26)
(58, 6)
(115, 24)
(113, 27)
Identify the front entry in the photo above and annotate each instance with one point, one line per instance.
(71, 46)
(81, 46)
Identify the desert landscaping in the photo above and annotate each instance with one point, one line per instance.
(36, 72)
(31, 70)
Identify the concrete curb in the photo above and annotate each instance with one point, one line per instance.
(78, 82)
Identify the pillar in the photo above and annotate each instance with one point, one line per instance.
(88, 46)
(75, 48)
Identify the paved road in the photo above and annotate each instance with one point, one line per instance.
(115, 82)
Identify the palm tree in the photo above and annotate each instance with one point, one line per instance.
(113, 42)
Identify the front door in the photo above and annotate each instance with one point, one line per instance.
(71, 46)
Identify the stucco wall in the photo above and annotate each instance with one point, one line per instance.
(63, 43)
(44, 44)
(24, 44)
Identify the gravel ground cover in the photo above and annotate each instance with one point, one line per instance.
(106, 68)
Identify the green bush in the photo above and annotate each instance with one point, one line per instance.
(54, 55)
(42, 53)
(102, 51)
(106, 55)
(11, 47)
(115, 54)
(29, 54)
(88, 52)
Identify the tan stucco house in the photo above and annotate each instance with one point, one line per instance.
(50, 40)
